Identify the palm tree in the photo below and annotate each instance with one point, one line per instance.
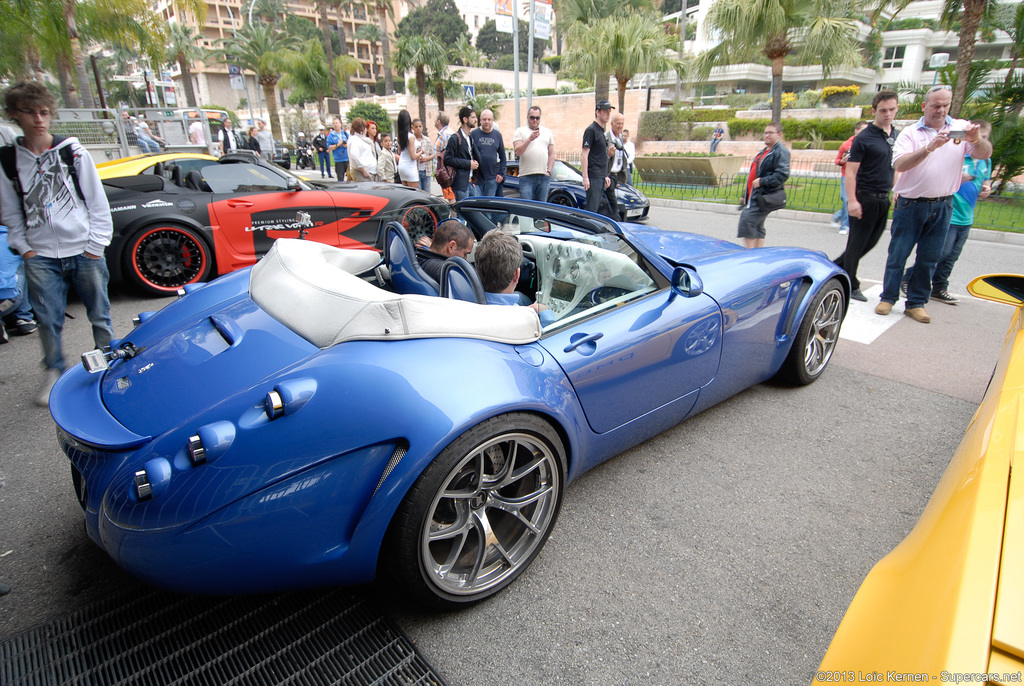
(340, 6)
(307, 74)
(371, 33)
(970, 20)
(184, 51)
(420, 53)
(446, 83)
(583, 13)
(775, 28)
(468, 54)
(328, 46)
(263, 50)
(622, 46)
(384, 8)
(1011, 20)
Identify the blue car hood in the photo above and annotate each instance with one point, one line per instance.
(201, 361)
(688, 248)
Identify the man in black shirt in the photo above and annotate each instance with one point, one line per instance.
(594, 160)
(869, 178)
(451, 237)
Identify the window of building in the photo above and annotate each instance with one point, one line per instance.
(893, 58)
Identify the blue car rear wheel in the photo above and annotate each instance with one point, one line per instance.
(480, 513)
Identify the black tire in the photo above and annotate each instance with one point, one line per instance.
(817, 337)
(562, 199)
(513, 462)
(161, 258)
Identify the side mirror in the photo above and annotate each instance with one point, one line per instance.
(686, 282)
(293, 184)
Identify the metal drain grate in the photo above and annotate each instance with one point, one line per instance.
(158, 638)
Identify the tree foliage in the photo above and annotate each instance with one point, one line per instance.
(622, 46)
(798, 31)
(438, 19)
(371, 111)
(496, 44)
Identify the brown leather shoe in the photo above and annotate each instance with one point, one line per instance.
(883, 308)
(918, 314)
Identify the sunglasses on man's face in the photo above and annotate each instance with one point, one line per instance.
(532, 118)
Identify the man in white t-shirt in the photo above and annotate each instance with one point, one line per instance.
(266, 139)
(535, 147)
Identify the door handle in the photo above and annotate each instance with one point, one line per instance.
(239, 203)
(582, 341)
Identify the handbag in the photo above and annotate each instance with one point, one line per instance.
(444, 173)
(775, 200)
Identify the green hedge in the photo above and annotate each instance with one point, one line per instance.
(797, 129)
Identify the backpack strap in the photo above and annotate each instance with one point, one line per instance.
(68, 155)
(9, 161)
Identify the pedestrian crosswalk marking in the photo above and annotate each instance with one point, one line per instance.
(862, 325)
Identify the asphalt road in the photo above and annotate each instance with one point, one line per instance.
(722, 551)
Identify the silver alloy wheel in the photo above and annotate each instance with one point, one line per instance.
(491, 513)
(824, 334)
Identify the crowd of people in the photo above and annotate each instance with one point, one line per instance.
(55, 220)
(931, 175)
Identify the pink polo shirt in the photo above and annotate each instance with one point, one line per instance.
(937, 175)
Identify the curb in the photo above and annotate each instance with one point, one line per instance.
(987, 235)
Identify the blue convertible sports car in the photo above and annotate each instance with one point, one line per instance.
(300, 423)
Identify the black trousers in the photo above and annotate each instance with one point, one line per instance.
(864, 233)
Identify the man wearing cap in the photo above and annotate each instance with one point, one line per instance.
(320, 145)
(594, 160)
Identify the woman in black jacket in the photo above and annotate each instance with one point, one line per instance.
(765, 192)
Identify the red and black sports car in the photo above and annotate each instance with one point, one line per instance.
(173, 227)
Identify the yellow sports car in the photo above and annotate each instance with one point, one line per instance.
(145, 164)
(947, 605)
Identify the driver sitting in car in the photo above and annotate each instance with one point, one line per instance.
(451, 237)
(498, 257)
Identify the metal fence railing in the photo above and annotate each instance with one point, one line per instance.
(808, 189)
(811, 193)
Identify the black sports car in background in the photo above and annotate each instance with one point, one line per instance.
(174, 227)
(567, 189)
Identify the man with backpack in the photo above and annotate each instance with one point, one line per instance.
(52, 201)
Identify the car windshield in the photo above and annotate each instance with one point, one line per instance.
(564, 172)
(246, 178)
(575, 274)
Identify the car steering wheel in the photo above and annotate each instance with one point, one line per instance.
(603, 294)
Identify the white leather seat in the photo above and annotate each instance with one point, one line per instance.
(311, 288)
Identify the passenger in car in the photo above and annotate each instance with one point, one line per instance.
(451, 237)
(498, 259)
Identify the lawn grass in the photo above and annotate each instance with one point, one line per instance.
(814, 194)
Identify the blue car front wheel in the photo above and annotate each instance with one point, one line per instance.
(480, 513)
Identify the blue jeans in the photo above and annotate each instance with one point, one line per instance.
(424, 181)
(714, 143)
(488, 187)
(48, 280)
(956, 237)
(325, 165)
(20, 310)
(534, 187)
(924, 224)
(843, 215)
(471, 191)
(148, 144)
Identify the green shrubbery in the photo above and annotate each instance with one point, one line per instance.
(797, 129)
